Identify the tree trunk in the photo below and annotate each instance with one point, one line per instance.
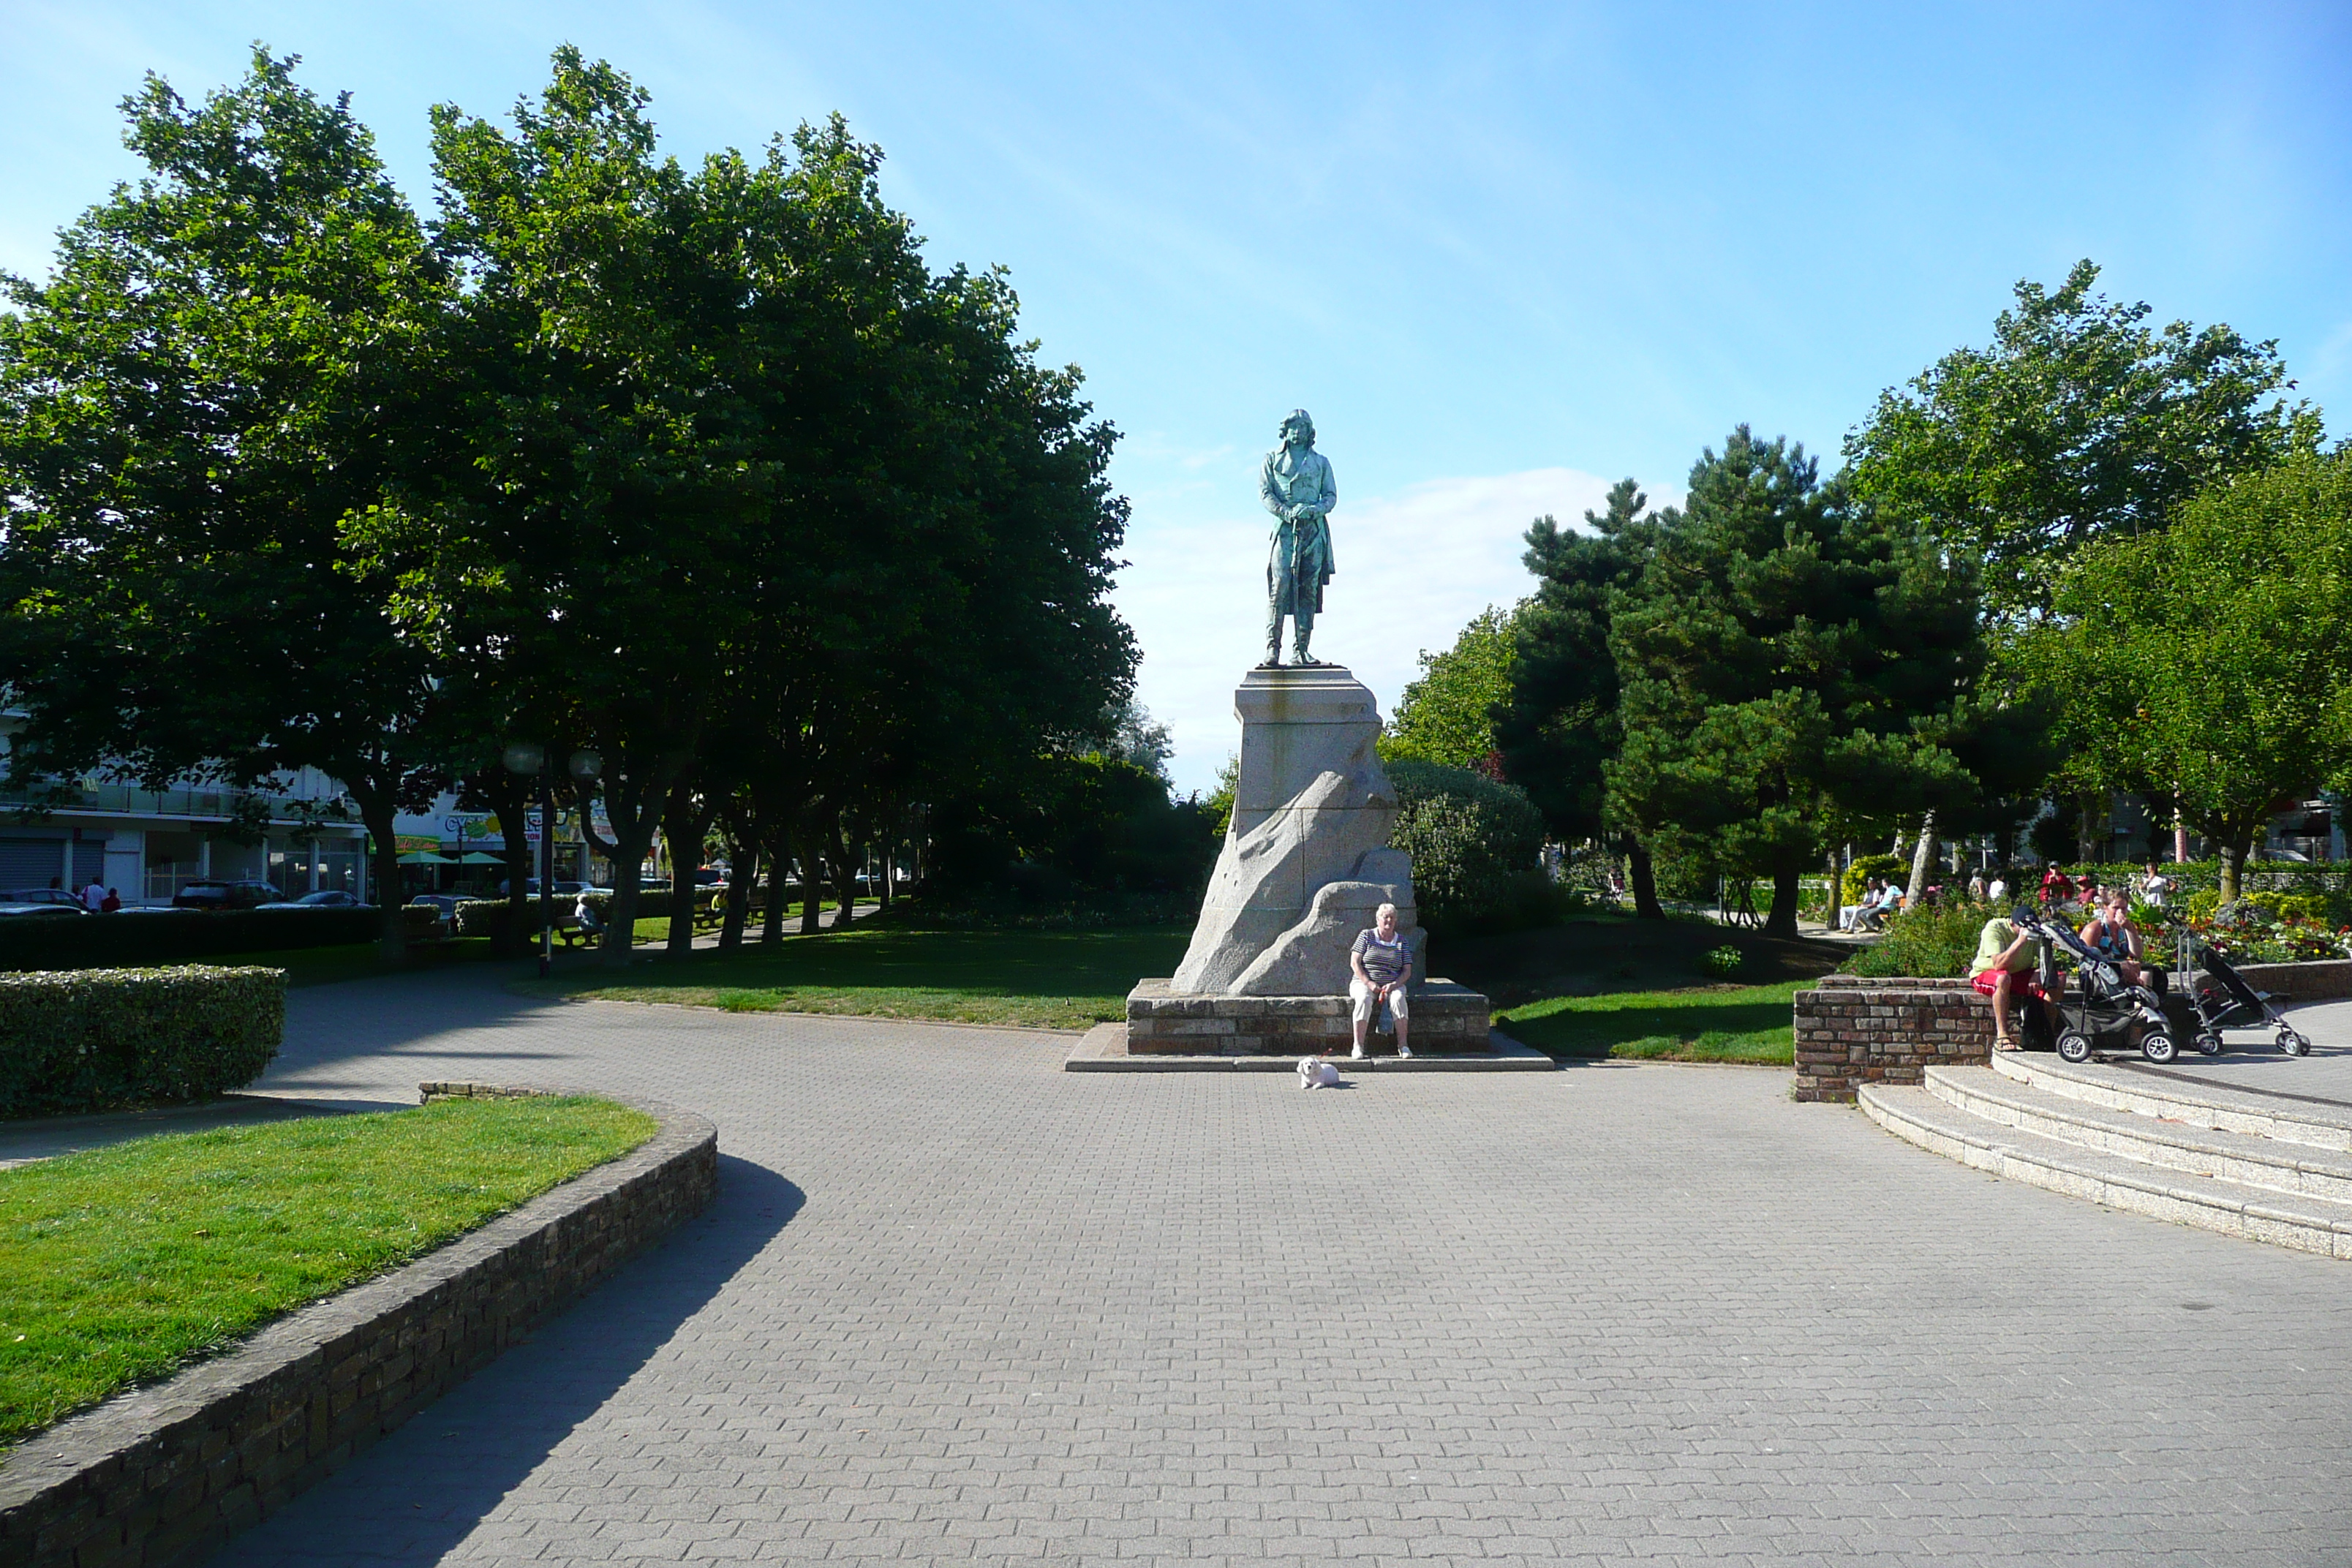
(1837, 890)
(632, 809)
(1787, 880)
(779, 890)
(742, 878)
(1923, 855)
(510, 797)
(684, 828)
(2233, 866)
(378, 812)
(812, 882)
(1644, 879)
(845, 874)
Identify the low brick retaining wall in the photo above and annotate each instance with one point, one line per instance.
(2320, 980)
(1853, 1030)
(1447, 1019)
(163, 1475)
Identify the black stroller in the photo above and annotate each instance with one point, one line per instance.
(2098, 1010)
(2228, 1003)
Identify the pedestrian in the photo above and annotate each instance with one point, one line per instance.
(93, 898)
(2154, 888)
(112, 903)
(1977, 887)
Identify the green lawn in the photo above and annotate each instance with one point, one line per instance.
(119, 1266)
(1054, 980)
(1701, 1024)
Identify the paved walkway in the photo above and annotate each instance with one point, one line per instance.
(956, 1304)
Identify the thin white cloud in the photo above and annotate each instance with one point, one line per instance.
(1412, 569)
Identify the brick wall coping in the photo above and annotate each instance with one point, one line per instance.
(2314, 979)
(162, 1476)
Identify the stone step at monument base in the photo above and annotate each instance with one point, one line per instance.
(1446, 1019)
(1105, 1049)
(1164, 1030)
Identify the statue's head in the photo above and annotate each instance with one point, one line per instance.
(1296, 420)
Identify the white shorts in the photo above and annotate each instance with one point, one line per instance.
(1362, 995)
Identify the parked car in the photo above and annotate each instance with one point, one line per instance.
(446, 902)
(212, 895)
(530, 889)
(61, 910)
(324, 899)
(28, 897)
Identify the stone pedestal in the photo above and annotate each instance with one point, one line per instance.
(1312, 810)
(1304, 868)
(1447, 1020)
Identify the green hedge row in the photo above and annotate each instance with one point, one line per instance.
(96, 1039)
(139, 937)
(1477, 849)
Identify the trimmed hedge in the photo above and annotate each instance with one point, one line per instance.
(136, 938)
(1477, 849)
(97, 1039)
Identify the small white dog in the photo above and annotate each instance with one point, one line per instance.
(1317, 1072)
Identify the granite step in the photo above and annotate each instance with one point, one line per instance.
(1104, 1049)
(2300, 1221)
(2176, 1092)
(2248, 1159)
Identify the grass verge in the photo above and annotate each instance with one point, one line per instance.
(119, 1266)
(1703, 1024)
(1049, 980)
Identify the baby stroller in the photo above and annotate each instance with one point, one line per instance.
(2098, 1011)
(2229, 1003)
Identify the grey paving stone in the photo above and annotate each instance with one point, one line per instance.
(954, 1304)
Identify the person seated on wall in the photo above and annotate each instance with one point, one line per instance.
(1382, 961)
(2004, 970)
(2111, 934)
(2057, 888)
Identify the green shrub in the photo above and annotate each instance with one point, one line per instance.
(1477, 849)
(93, 1039)
(1866, 867)
(1931, 940)
(137, 938)
(1722, 962)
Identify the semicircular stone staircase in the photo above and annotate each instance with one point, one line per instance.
(2274, 1169)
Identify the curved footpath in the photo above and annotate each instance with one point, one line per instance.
(955, 1304)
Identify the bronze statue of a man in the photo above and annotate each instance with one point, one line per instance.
(1296, 484)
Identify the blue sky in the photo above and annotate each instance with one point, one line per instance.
(1503, 254)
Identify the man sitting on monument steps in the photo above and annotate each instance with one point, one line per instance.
(1382, 960)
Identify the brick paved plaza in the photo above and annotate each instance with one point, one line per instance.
(956, 1304)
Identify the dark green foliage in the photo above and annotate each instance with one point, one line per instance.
(1067, 829)
(234, 355)
(95, 1039)
(1934, 940)
(175, 936)
(1790, 661)
(2213, 662)
(1560, 723)
(1477, 849)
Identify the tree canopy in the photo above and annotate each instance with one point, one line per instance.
(1448, 715)
(2210, 665)
(704, 469)
(2079, 422)
(1787, 655)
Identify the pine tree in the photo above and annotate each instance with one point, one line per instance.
(1787, 658)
